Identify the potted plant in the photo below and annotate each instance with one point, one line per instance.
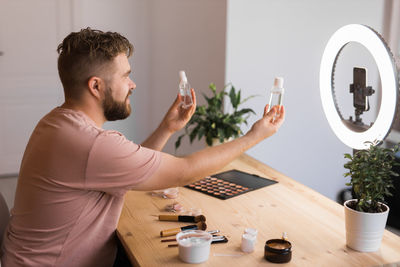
(371, 180)
(211, 122)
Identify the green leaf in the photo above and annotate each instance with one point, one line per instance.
(178, 142)
(213, 87)
(200, 133)
(232, 97)
(221, 135)
(193, 134)
(209, 140)
(237, 99)
(241, 112)
(247, 98)
(348, 156)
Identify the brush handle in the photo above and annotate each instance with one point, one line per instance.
(173, 218)
(181, 218)
(170, 232)
(174, 231)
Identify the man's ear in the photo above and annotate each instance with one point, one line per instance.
(95, 85)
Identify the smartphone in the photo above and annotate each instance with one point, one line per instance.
(360, 98)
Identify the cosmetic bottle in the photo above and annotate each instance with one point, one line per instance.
(277, 92)
(184, 90)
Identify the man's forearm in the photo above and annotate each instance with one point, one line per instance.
(158, 138)
(212, 159)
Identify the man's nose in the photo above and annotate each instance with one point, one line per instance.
(133, 85)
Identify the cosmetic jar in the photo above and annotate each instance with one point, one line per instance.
(194, 245)
(248, 243)
(251, 231)
(278, 251)
(171, 192)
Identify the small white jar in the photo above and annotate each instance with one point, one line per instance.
(251, 231)
(194, 245)
(248, 243)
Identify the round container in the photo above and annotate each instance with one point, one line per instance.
(278, 251)
(194, 245)
(251, 231)
(171, 192)
(248, 243)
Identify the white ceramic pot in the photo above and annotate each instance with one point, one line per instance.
(364, 230)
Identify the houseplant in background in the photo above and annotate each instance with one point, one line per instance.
(211, 122)
(371, 180)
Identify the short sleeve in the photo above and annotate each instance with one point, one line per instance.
(116, 164)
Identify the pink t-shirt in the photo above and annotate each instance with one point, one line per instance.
(70, 192)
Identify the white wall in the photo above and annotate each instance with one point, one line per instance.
(287, 38)
(184, 35)
(131, 19)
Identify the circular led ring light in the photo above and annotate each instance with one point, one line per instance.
(388, 73)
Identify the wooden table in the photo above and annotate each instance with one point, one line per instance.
(314, 225)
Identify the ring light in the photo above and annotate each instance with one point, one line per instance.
(374, 43)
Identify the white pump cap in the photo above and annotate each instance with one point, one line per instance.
(278, 82)
(182, 75)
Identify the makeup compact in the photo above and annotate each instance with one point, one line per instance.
(278, 250)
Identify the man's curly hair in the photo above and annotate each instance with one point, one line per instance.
(85, 54)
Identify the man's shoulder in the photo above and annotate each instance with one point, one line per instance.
(67, 118)
(62, 127)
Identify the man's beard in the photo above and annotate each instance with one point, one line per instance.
(114, 110)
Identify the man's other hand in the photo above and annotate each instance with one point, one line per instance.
(177, 116)
(269, 123)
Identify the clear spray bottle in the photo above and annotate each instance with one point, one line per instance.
(184, 90)
(277, 92)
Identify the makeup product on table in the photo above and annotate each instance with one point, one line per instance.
(174, 207)
(278, 250)
(215, 239)
(174, 231)
(171, 192)
(229, 184)
(251, 231)
(194, 246)
(166, 193)
(212, 232)
(248, 243)
(182, 218)
(249, 239)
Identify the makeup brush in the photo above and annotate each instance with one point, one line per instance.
(182, 218)
(174, 231)
(213, 232)
(215, 239)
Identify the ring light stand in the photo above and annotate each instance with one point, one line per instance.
(354, 133)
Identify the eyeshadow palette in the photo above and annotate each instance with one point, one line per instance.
(229, 184)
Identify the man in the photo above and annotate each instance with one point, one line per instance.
(74, 174)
